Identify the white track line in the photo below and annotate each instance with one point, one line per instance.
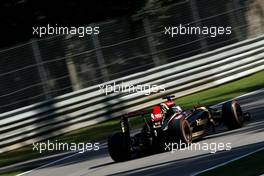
(56, 161)
(230, 161)
(27, 172)
(241, 96)
(251, 93)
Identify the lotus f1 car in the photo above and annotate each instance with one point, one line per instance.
(169, 123)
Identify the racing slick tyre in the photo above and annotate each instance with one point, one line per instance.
(182, 131)
(232, 115)
(119, 147)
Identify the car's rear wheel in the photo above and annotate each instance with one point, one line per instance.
(232, 115)
(119, 147)
(182, 130)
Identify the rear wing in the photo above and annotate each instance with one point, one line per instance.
(137, 113)
(124, 120)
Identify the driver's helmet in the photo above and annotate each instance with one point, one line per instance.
(177, 109)
(170, 107)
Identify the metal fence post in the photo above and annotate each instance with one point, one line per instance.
(100, 56)
(41, 70)
(197, 18)
(150, 40)
(73, 75)
(239, 20)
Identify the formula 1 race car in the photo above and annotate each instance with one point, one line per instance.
(169, 123)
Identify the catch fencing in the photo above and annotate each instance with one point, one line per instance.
(90, 106)
(50, 86)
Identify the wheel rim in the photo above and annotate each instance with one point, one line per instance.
(239, 112)
(187, 132)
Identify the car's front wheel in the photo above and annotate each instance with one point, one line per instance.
(232, 115)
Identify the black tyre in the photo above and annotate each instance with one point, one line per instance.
(232, 115)
(182, 130)
(119, 147)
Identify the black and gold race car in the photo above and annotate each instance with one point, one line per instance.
(169, 123)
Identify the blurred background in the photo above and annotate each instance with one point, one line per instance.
(131, 40)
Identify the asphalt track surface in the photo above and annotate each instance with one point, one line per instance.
(186, 162)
